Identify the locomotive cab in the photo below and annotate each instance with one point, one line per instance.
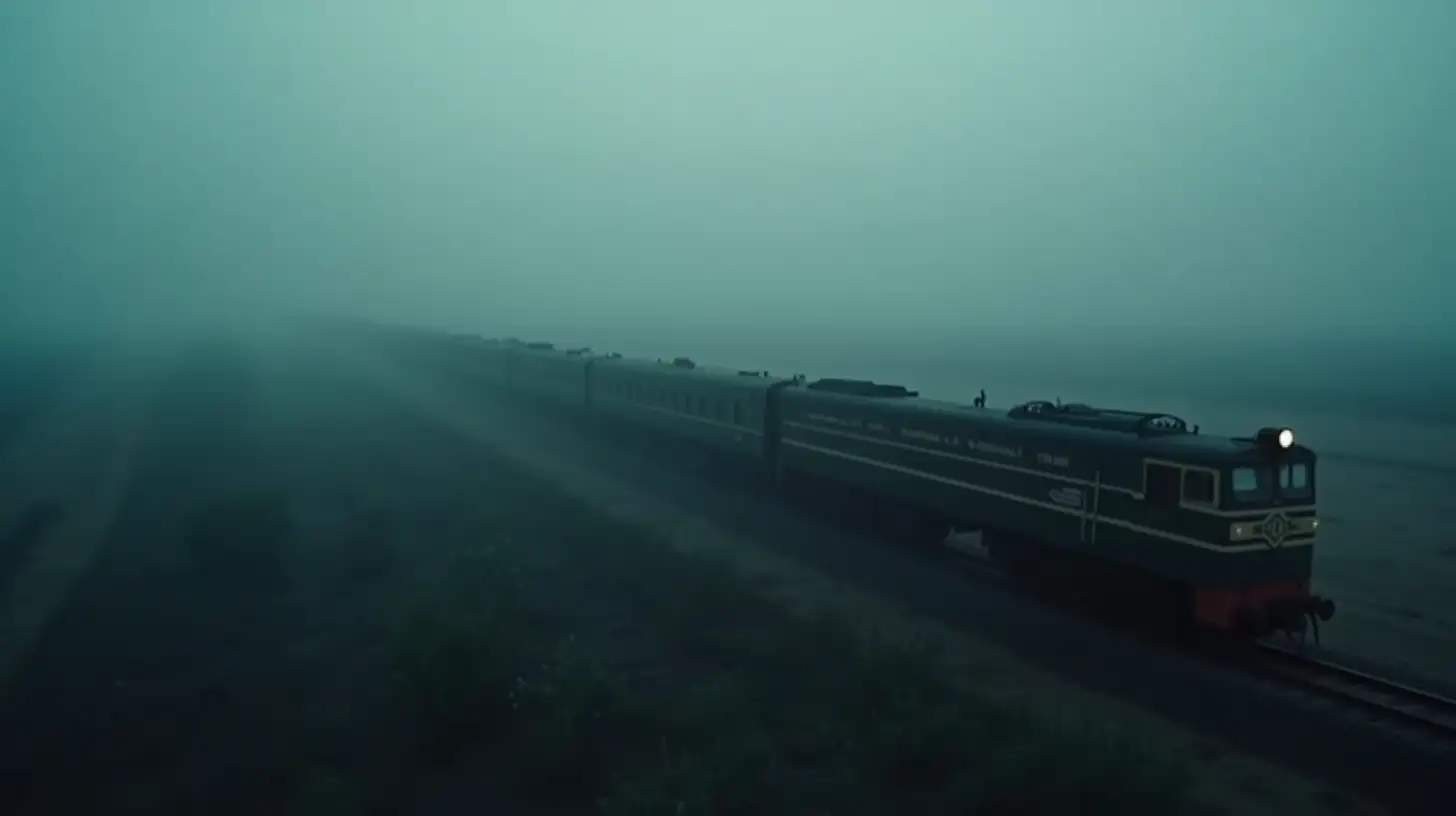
(1267, 495)
(1251, 501)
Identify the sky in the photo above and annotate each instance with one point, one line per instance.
(1253, 179)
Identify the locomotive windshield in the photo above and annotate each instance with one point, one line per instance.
(1294, 479)
(1257, 483)
(1252, 484)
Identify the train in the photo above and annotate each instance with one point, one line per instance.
(1198, 532)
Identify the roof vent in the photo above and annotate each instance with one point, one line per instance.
(862, 388)
(1108, 419)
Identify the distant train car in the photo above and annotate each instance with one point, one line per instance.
(470, 358)
(719, 408)
(1220, 528)
(478, 361)
(537, 371)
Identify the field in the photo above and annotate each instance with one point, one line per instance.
(308, 604)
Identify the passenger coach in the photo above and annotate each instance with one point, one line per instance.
(723, 409)
(540, 372)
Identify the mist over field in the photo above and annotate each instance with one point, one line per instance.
(1246, 199)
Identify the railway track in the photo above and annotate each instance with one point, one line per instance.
(1388, 701)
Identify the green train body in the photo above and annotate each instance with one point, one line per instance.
(1225, 525)
(726, 410)
(1162, 499)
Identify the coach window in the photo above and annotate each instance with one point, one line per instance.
(1251, 484)
(1162, 484)
(1198, 487)
(737, 414)
(1294, 479)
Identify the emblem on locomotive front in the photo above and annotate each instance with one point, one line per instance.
(1276, 527)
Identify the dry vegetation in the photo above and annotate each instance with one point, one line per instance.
(546, 658)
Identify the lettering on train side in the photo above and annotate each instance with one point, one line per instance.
(994, 447)
(829, 419)
(923, 436)
(1053, 460)
(1067, 497)
(951, 441)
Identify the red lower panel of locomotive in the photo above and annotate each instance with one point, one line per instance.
(1261, 609)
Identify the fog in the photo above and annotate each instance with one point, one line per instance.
(1108, 188)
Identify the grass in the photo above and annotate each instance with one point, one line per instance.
(670, 685)
(475, 639)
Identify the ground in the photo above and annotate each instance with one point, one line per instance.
(1388, 556)
(309, 583)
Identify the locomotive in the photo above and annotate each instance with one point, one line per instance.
(1195, 531)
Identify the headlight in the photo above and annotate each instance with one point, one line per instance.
(1278, 439)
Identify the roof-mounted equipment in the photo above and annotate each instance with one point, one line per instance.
(861, 388)
(1085, 416)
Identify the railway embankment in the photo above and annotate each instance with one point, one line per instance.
(1211, 777)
